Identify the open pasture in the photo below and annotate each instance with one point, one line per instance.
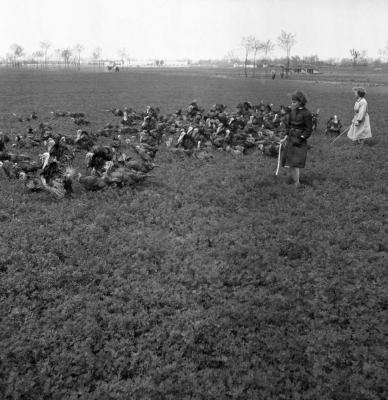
(214, 279)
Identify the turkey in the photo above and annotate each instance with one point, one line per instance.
(43, 132)
(149, 123)
(9, 169)
(81, 121)
(91, 182)
(244, 108)
(186, 141)
(18, 117)
(25, 141)
(76, 114)
(68, 140)
(19, 170)
(117, 112)
(54, 178)
(57, 149)
(34, 184)
(17, 158)
(84, 140)
(4, 155)
(33, 116)
(97, 158)
(269, 149)
(315, 119)
(218, 108)
(3, 140)
(129, 116)
(145, 151)
(29, 166)
(59, 113)
(333, 126)
(125, 177)
(140, 165)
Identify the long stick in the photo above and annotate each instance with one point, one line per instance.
(344, 131)
(280, 150)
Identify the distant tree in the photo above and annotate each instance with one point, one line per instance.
(45, 45)
(231, 57)
(247, 44)
(58, 56)
(355, 54)
(122, 53)
(268, 48)
(257, 45)
(161, 63)
(78, 48)
(37, 56)
(364, 57)
(286, 41)
(66, 55)
(17, 52)
(296, 60)
(314, 59)
(383, 53)
(332, 61)
(9, 59)
(74, 61)
(96, 56)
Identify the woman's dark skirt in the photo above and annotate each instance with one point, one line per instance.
(294, 154)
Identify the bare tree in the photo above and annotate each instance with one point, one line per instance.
(96, 55)
(355, 54)
(37, 56)
(9, 59)
(296, 60)
(231, 57)
(79, 49)
(286, 41)
(268, 48)
(45, 45)
(18, 52)
(74, 61)
(58, 54)
(66, 55)
(257, 45)
(364, 57)
(122, 53)
(313, 59)
(384, 52)
(247, 43)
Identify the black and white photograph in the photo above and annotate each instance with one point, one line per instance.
(194, 200)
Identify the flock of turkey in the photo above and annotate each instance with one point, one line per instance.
(134, 140)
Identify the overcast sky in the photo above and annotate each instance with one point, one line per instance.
(194, 29)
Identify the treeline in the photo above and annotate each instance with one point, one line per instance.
(257, 53)
(48, 57)
(252, 53)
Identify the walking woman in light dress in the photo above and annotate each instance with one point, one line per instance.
(360, 128)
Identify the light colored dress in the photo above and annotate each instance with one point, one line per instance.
(362, 130)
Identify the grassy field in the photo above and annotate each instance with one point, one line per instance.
(213, 280)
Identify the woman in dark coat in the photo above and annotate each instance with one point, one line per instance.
(300, 126)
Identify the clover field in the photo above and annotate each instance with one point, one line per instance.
(212, 280)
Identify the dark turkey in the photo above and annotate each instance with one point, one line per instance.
(92, 182)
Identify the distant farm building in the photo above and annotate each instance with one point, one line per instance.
(177, 63)
(142, 63)
(147, 63)
(306, 69)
